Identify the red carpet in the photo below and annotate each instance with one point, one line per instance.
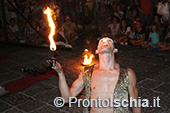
(4, 58)
(27, 81)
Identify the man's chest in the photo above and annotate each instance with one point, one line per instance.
(103, 83)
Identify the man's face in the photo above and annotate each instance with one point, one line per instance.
(67, 18)
(105, 45)
(138, 24)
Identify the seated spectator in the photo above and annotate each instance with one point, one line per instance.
(123, 33)
(139, 34)
(128, 15)
(30, 34)
(118, 13)
(69, 7)
(14, 27)
(87, 18)
(135, 18)
(153, 38)
(10, 10)
(133, 21)
(11, 35)
(107, 33)
(159, 26)
(69, 28)
(114, 27)
(165, 45)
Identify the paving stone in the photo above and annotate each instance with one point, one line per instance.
(149, 84)
(53, 80)
(30, 105)
(38, 88)
(163, 76)
(73, 109)
(165, 88)
(4, 78)
(13, 110)
(8, 64)
(47, 109)
(160, 110)
(48, 96)
(18, 69)
(144, 92)
(153, 60)
(4, 106)
(16, 99)
(149, 74)
(157, 68)
(3, 71)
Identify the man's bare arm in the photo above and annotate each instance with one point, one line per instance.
(133, 89)
(76, 88)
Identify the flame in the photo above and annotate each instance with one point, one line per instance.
(87, 57)
(48, 11)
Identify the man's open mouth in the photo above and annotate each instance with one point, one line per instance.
(106, 45)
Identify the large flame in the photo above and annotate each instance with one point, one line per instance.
(48, 11)
(87, 57)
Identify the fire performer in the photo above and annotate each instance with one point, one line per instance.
(106, 80)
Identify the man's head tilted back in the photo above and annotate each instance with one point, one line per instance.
(106, 45)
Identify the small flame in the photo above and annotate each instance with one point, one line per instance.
(87, 57)
(48, 11)
(86, 50)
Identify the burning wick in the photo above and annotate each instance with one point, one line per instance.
(53, 47)
(48, 11)
(87, 57)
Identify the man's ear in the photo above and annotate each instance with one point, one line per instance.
(96, 52)
(115, 50)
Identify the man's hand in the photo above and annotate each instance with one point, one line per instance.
(55, 65)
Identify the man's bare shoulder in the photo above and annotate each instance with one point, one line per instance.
(131, 72)
(132, 76)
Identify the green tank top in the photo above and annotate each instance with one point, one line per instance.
(121, 90)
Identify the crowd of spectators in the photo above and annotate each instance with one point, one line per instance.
(143, 23)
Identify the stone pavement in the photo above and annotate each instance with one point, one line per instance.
(152, 70)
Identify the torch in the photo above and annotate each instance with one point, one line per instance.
(87, 58)
(53, 47)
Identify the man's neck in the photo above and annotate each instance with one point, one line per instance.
(106, 61)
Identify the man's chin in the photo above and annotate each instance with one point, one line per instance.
(104, 51)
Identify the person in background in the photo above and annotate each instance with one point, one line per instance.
(87, 18)
(153, 39)
(123, 33)
(69, 7)
(133, 21)
(13, 26)
(10, 11)
(139, 34)
(114, 27)
(118, 13)
(30, 35)
(159, 25)
(69, 28)
(165, 45)
(135, 18)
(145, 8)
